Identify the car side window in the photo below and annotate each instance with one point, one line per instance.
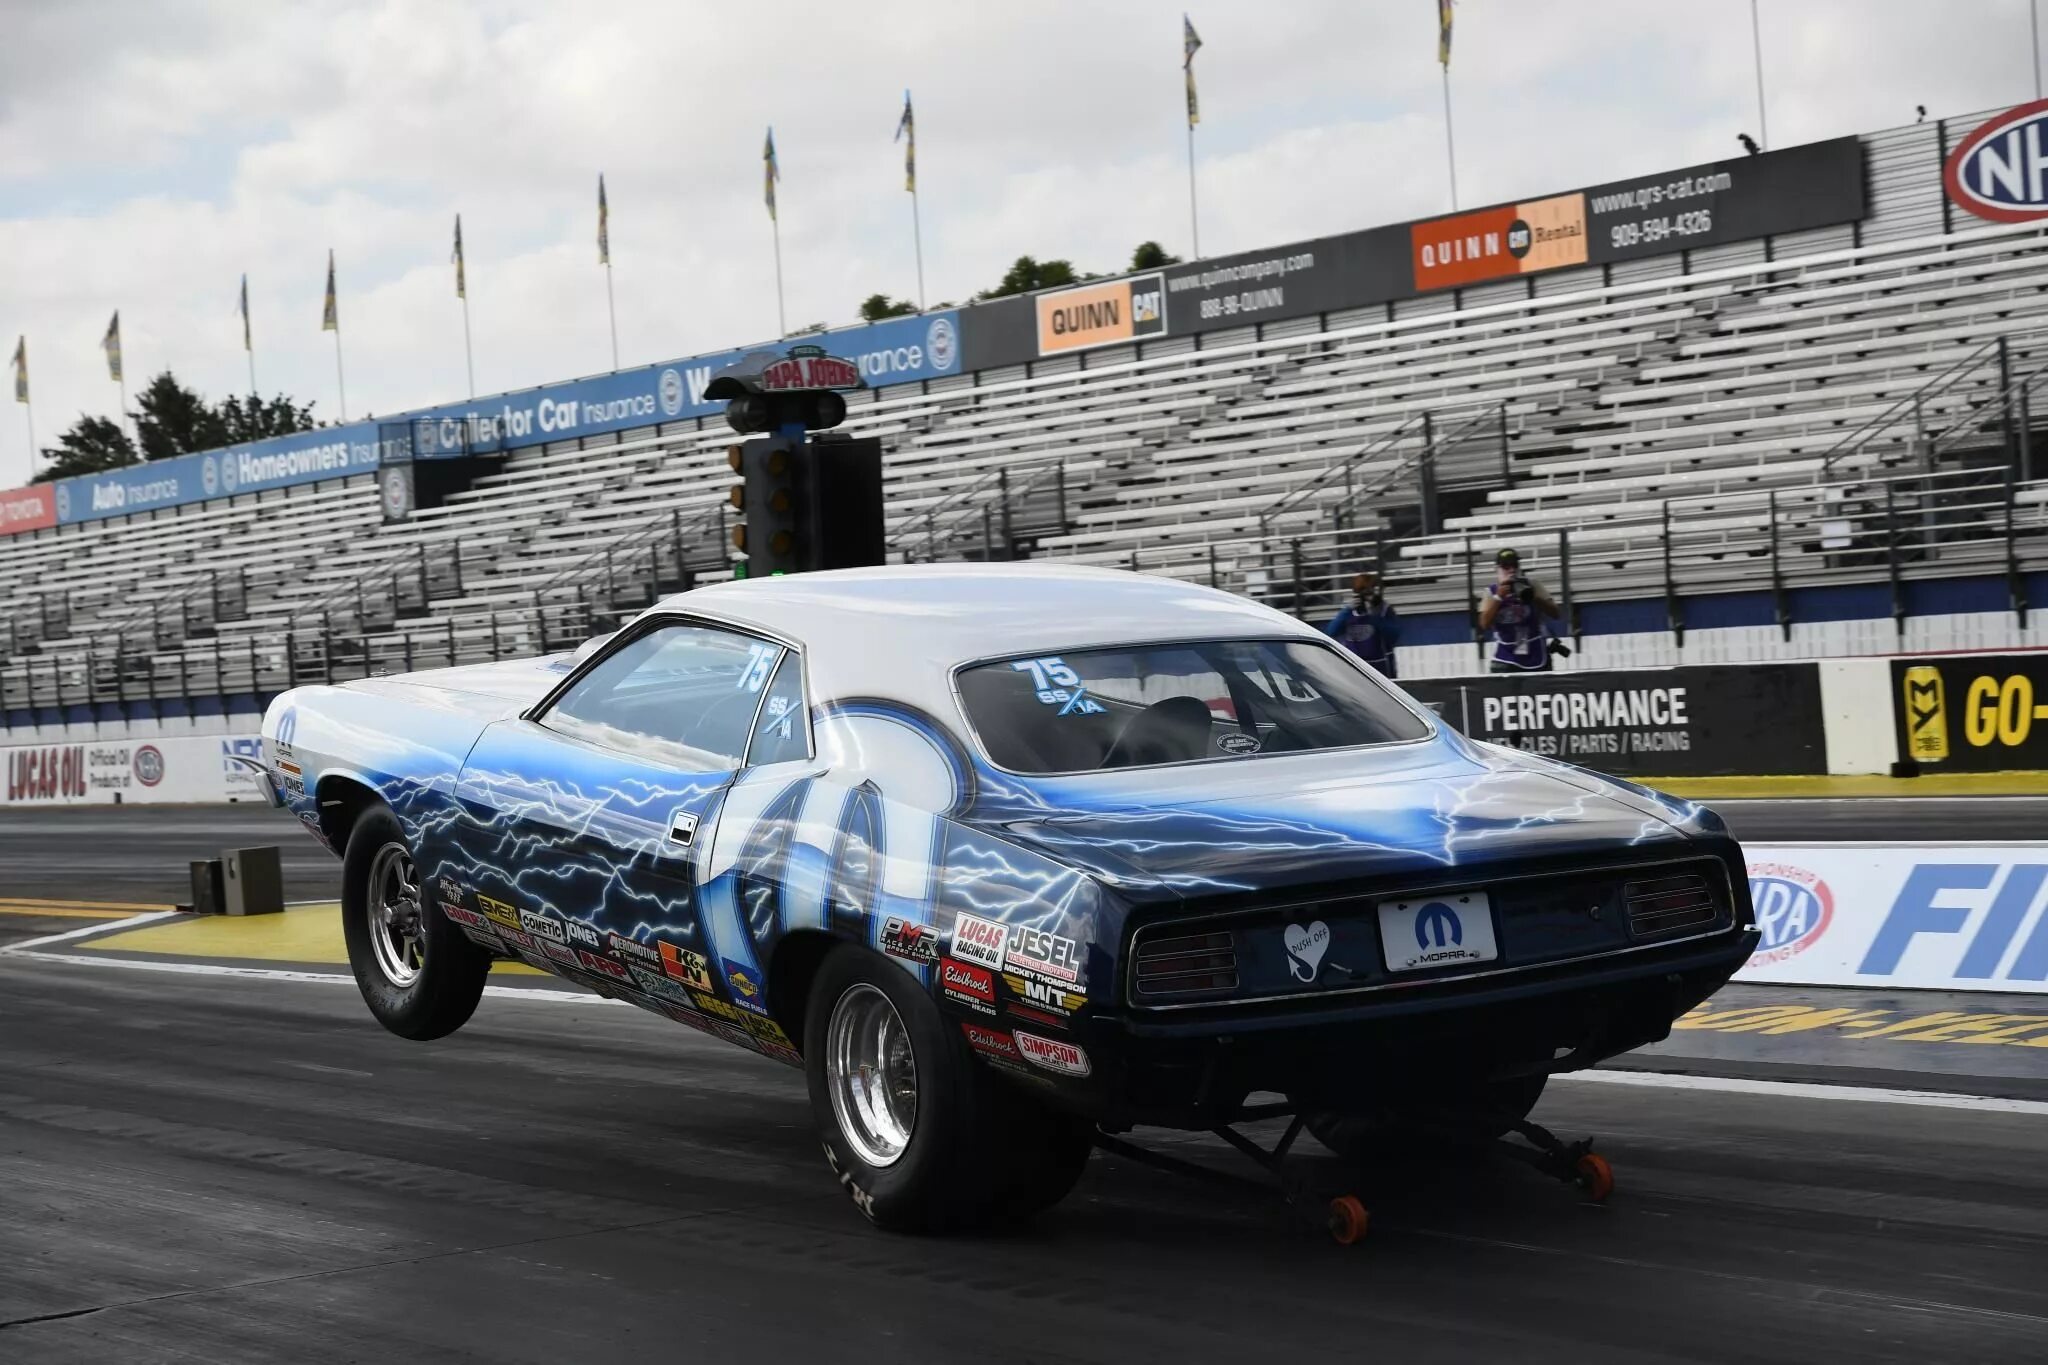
(782, 733)
(680, 694)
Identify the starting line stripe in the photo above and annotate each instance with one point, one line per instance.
(1805, 1090)
(54, 912)
(272, 973)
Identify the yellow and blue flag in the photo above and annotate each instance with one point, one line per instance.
(770, 173)
(461, 282)
(21, 370)
(906, 127)
(111, 344)
(1443, 32)
(604, 225)
(330, 315)
(1190, 44)
(245, 314)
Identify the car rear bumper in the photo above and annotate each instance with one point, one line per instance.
(1194, 1070)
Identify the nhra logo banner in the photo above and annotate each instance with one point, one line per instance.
(1930, 916)
(1997, 171)
(1972, 713)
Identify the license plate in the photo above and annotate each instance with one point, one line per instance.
(1437, 931)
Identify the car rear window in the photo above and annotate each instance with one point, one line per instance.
(1139, 706)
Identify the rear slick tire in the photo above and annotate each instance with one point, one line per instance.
(419, 974)
(921, 1135)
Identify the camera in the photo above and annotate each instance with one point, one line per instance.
(1558, 647)
(1522, 588)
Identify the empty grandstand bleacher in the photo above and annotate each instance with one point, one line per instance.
(1846, 405)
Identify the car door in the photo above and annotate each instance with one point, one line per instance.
(583, 823)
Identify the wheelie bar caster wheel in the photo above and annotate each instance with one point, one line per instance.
(1347, 1220)
(1595, 1176)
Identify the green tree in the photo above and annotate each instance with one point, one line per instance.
(1028, 274)
(174, 420)
(92, 445)
(253, 418)
(1151, 256)
(879, 306)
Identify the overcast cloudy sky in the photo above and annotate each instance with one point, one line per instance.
(153, 150)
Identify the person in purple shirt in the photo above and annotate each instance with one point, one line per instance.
(1367, 627)
(1514, 608)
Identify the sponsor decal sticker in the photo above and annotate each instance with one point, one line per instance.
(450, 890)
(468, 919)
(1306, 944)
(602, 965)
(291, 777)
(1045, 954)
(543, 926)
(1055, 999)
(767, 1030)
(633, 950)
(990, 1042)
(559, 952)
(1052, 1054)
(583, 936)
(911, 942)
(979, 941)
(746, 991)
(687, 965)
(1793, 909)
(657, 985)
(1033, 1016)
(972, 986)
(711, 1004)
(527, 944)
(501, 914)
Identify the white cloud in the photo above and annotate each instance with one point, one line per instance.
(153, 150)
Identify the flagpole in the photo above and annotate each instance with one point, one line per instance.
(613, 304)
(916, 236)
(1756, 38)
(252, 371)
(122, 384)
(1450, 144)
(468, 355)
(33, 453)
(781, 317)
(340, 384)
(1194, 218)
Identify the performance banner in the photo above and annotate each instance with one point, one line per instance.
(1714, 720)
(1918, 916)
(1972, 712)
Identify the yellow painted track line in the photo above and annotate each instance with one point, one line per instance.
(127, 907)
(54, 912)
(1928, 784)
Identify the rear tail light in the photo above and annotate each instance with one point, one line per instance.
(1669, 904)
(1191, 964)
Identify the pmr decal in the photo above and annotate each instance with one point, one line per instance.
(1920, 693)
(1996, 172)
(909, 941)
(1793, 909)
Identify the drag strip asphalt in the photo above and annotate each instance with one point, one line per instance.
(196, 1167)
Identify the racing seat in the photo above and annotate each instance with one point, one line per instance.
(1175, 730)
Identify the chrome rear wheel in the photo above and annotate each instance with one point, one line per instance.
(398, 940)
(871, 1075)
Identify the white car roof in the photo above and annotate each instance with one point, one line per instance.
(898, 631)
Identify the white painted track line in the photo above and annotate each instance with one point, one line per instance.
(1732, 1085)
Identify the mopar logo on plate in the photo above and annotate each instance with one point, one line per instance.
(1437, 925)
(1997, 171)
(1793, 907)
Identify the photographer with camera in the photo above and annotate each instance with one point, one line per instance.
(1514, 609)
(1367, 626)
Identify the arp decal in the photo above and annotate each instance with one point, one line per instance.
(602, 965)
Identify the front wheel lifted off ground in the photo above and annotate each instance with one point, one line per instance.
(923, 1137)
(419, 974)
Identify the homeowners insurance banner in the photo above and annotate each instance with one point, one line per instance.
(1940, 916)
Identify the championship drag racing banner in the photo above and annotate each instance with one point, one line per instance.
(188, 769)
(1917, 916)
(1714, 720)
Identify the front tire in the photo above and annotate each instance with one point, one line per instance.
(419, 974)
(923, 1137)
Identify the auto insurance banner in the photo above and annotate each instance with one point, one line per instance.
(1918, 916)
(303, 457)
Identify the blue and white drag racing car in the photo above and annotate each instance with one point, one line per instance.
(1007, 857)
